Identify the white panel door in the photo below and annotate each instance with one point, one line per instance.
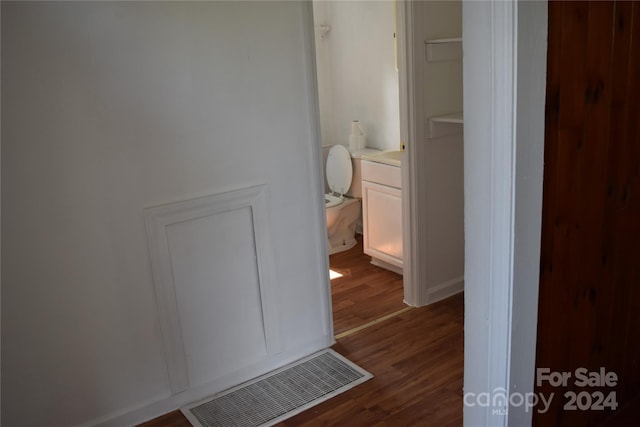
(218, 293)
(382, 222)
(214, 282)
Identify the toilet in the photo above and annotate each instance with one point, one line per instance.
(343, 211)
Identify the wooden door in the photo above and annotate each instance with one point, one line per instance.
(589, 308)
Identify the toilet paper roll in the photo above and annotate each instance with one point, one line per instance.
(357, 139)
(356, 129)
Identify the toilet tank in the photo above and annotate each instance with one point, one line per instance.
(356, 183)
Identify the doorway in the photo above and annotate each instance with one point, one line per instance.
(424, 48)
(358, 85)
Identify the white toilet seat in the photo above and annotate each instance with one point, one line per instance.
(339, 170)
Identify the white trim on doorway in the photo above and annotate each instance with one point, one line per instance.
(317, 168)
(504, 144)
(426, 279)
(410, 132)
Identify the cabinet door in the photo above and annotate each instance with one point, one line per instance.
(382, 222)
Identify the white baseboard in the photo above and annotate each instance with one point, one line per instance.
(379, 263)
(445, 290)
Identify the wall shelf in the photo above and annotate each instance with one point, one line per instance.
(446, 124)
(444, 49)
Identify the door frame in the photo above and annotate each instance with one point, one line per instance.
(504, 106)
(411, 130)
(504, 145)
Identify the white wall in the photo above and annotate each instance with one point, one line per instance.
(477, 80)
(357, 78)
(443, 79)
(108, 108)
(531, 93)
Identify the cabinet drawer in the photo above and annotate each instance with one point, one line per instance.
(381, 173)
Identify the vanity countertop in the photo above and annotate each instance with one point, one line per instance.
(391, 157)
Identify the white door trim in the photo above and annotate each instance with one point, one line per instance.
(489, 105)
(504, 144)
(411, 131)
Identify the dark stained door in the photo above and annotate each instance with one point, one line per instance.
(589, 307)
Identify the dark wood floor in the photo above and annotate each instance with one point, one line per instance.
(417, 362)
(364, 292)
(416, 357)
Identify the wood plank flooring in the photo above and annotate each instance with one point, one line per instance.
(417, 361)
(364, 292)
(416, 357)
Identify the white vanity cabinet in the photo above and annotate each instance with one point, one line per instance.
(382, 214)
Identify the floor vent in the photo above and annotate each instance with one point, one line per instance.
(279, 395)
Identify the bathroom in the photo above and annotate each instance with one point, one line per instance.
(357, 73)
(358, 79)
